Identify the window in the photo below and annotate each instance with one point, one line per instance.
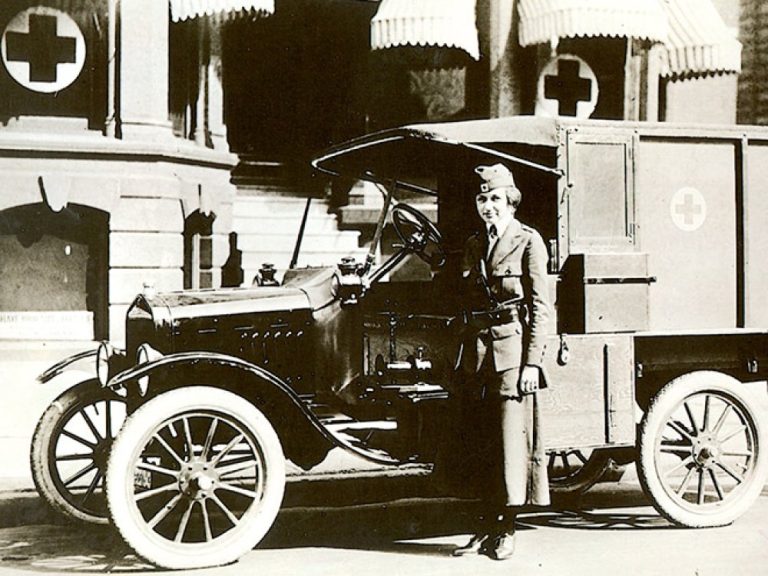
(600, 192)
(198, 251)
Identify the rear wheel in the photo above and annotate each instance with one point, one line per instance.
(195, 478)
(576, 471)
(70, 448)
(702, 455)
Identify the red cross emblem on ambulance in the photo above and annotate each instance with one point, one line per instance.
(688, 209)
(43, 49)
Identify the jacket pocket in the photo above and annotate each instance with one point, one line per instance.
(511, 287)
(502, 331)
(507, 351)
(508, 278)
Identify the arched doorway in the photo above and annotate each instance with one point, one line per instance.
(55, 273)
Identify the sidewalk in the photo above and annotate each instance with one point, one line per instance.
(24, 399)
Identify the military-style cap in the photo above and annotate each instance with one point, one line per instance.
(496, 176)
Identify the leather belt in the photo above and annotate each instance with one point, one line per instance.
(503, 314)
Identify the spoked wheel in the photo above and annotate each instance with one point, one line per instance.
(702, 456)
(576, 471)
(70, 448)
(195, 478)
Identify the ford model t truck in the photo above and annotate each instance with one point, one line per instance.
(657, 265)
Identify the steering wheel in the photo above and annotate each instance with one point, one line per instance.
(419, 234)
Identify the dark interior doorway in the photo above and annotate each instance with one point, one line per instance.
(55, 262)
(294, 82)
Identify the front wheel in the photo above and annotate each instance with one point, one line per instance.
(195, 478)
(70, 447)
(702, 454)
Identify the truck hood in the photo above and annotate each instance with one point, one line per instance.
(230, 301)
(304, 289)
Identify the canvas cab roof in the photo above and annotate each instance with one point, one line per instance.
(412, 154)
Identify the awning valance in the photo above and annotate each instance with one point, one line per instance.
(449, 23)
(544, 21)
(699, 41)
(188, 9)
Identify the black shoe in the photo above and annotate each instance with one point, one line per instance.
(503, 546)
(476, 545)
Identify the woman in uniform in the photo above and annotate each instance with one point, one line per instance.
(507, 310)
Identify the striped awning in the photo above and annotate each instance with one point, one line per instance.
(449, 23)
(543, 21)
(699, 41)
(188, 9)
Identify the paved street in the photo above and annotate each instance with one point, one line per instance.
(24, 399)
(612, 530)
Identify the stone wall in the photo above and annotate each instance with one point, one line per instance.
(146, 190)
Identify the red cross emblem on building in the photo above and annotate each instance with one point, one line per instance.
(567, 86)
(43, 49)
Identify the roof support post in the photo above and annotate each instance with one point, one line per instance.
(641, 81)
(635, 64)
(653, 72)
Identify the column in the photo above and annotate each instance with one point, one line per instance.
(503, 52)
(215, 119)
(141, 82)
(200, 133)
(209, 105)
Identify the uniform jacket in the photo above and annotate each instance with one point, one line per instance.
(516, 269)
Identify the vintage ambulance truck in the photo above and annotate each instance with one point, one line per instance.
(658, 347)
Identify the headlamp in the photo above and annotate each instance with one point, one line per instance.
(109, 361)
(145, 354)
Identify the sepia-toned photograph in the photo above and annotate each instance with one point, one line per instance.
(377, 287)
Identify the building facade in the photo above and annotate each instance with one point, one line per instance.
(134, 132)
(753, 33)
(102, 191)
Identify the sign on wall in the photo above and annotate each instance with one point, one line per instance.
(43, 49)
(688, 209)
(567, 86)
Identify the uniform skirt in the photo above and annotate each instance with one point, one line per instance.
(501, 441)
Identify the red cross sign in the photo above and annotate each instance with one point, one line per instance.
(567, 86)
(688, 209)
(43, 49)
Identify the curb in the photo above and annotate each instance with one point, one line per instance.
(24, 506)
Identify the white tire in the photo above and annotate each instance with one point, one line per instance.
(195, 478)
(703, 458)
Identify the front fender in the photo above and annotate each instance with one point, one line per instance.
(65, 364)
(305, 438)
(186, 360)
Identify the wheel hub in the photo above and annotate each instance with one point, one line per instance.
(705, 451)
(101, 453)
(198, 480)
